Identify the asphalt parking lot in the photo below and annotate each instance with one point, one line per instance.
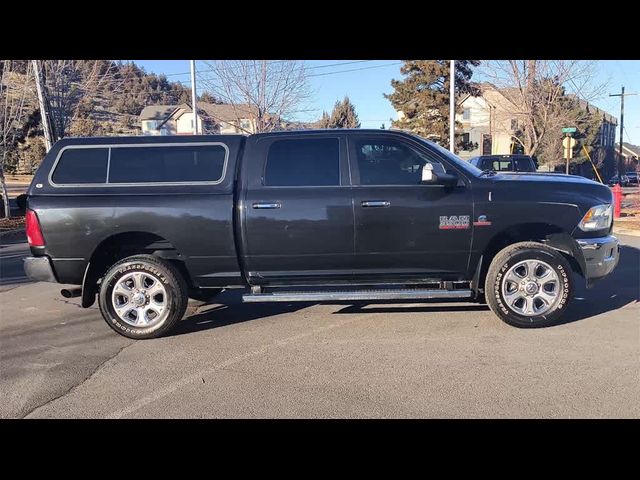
(229, 360)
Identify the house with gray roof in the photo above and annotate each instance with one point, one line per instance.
(212, 118)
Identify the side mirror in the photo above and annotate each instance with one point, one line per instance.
(429, 177)
(427, 174)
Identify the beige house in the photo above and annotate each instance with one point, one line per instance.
(212, 118)
(489, 122)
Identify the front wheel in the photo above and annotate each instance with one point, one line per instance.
(529, 285)
(142, 297)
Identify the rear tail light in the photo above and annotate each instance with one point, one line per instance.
(34, 233)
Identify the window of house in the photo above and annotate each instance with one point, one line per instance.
(391, 162)
(151, 124)
(188, 163)
(514, 124)
(465, 138)
(245, 124)
(81, 166)
(466, 114)
(303, 162)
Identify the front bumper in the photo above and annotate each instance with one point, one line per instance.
(601, 256)
(39, 269)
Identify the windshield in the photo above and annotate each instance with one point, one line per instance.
(466, 166)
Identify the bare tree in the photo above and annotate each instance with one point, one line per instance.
(268, 90)
(15, 88)
(70, 86)
(535, 89)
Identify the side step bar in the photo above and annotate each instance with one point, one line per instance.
(355, 295)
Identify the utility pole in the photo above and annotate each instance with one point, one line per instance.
(193, 97)
(621, 95)
(452, 105)
(43, 110)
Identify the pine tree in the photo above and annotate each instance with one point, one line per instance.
(207, 97)
(423, 97)
(344, 115)
(324, 121)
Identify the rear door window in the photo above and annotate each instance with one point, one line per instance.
(78, 166)
(303, 162)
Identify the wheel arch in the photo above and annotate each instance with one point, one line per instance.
(548, 234)
(124, 244)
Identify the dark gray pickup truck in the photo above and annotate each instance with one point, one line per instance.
(144, 223)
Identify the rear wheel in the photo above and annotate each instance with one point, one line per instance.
(529, 285)
(142, 297)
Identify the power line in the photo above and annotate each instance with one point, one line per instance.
(199, 72)
(271, 63)
(627, 134)
(355, 69)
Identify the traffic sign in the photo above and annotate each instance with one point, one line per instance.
(569, 130)
(568, 142)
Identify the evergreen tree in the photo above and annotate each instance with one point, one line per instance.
(324, 121)
(423, 97)
(207, 97)
(344, 115)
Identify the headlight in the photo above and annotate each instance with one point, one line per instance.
(597, 218)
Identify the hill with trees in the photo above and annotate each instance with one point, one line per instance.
(84, 98)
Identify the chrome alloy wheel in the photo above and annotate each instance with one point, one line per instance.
(140, 299)
(531, 288)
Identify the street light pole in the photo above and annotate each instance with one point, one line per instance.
(621, 95)
(193, 97)
(452, 105)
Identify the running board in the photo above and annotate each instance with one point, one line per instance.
(355, 295)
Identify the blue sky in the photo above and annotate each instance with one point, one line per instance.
(365, 82)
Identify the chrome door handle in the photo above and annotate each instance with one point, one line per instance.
(376, 203)
(263, 206)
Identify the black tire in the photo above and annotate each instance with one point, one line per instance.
(510, 257)
(170, 278)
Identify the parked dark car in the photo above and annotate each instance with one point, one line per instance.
(504, 163)
(144, 223)
(632, 178)
(623, 180)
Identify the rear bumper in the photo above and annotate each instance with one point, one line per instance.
(39, 269)
(601, 256)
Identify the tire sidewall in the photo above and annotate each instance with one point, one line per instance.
(562, 269)
(106, 305)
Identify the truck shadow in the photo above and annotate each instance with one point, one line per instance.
(229, 309)
(618, 290)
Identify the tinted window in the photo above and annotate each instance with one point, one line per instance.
(524, 164)
(81, 165)
(499, 165)
(390, 162)
(303, 162)
(188, 163)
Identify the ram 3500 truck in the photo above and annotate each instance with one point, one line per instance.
(144, 223)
